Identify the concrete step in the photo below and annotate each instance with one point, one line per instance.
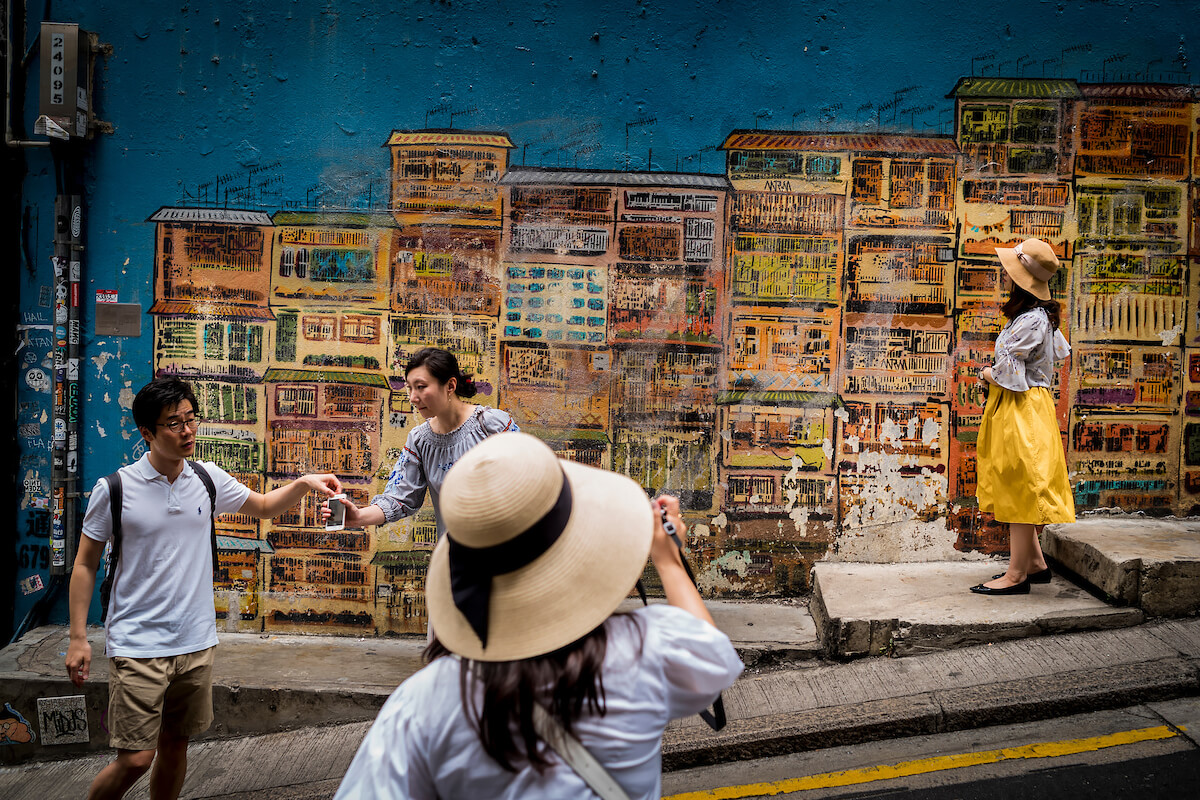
(903, 609)
(764, 632)
(1151, 564)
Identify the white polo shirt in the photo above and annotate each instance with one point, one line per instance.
(162, 598)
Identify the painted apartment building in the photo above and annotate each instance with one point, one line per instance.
(1130, 293)
(213, 326)
(609, 326)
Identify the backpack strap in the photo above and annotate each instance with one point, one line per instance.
(115, 501)
(207, 480)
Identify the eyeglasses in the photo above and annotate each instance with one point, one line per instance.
(177, 426)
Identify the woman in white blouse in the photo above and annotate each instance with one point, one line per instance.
(1021, 467)
(529, 659)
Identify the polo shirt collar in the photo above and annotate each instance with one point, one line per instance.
(147, 471)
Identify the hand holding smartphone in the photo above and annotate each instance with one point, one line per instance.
(337, 513)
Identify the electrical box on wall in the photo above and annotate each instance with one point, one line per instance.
(66, 81)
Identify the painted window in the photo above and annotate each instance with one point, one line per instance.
(299, 401)
(214, 340)
(349, 401)
(360, 328)
(867, 180)
(227, 402)
(302, 263)
(320, 327)
(285, 337)
(176, 339)
(1034, 124)
(239, 340)
(287, 262)
(826, 167)
(218, 246)
(343, 266)
(908, 184)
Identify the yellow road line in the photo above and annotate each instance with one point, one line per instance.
(884, 772)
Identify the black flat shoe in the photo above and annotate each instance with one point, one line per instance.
(1020, 588)
(1042, 576)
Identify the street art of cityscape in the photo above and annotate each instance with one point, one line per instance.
(791, 346)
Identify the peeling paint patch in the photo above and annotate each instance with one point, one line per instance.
(798, 515)
(888, 495)
(929, 432)
(100, 361)
(714, 578)
(902, 542)
(889, 431)
(125, 398)
(100, 430)
(1171, 335)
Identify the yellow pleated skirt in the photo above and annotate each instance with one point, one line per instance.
(1021, 468)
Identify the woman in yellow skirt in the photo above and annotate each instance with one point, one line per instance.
(1022, 470)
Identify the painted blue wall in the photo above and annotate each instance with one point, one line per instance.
(201, 90)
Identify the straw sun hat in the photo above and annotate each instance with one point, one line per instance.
(1031, 265)
(538, 551)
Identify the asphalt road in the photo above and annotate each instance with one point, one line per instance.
(1132, 752)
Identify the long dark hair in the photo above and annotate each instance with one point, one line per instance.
(565, 682)
(442, 365)
(1021, 301)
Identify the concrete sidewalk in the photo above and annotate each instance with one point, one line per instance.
(809, 706)
(264, 683)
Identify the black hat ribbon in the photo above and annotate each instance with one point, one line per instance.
(472, 568)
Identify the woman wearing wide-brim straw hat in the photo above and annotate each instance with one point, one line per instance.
(522, 594)
(1021, 467)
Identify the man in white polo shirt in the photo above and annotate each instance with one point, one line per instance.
(161, 627)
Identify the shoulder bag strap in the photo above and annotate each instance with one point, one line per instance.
(570, 750)
(578, 757)
(115, 501)
(207, 480)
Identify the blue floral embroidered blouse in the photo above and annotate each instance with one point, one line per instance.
(1026, 350)
(428, 456)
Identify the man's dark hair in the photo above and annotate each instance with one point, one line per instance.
(443, 366)
(1021, 301)
(160, 393)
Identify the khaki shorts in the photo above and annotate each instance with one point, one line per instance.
(150, 695)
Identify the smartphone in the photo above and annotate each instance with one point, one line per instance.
(337, 514)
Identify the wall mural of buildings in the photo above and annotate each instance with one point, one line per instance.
(791, 346)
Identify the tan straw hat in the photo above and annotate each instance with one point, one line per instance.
(537, 553)
(1031, 265)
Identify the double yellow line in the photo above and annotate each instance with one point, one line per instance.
(904, 769)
